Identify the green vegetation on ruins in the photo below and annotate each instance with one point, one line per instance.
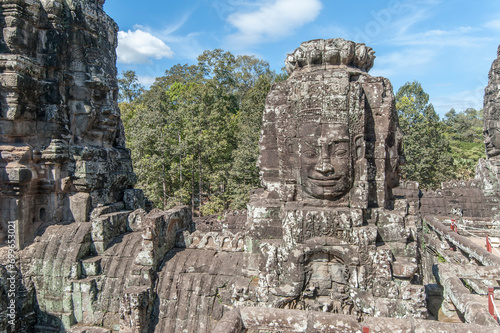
(194, 133)
(437, 150)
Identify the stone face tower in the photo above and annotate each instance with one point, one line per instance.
(489, 170)
(335, 237)
(62, 147)
(66, 179)
(491, 111)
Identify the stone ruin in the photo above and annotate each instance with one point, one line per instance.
(66, 179)
(62, 147)
(476, 200)
(492, 112)
(341, 242)
(457, 287)
(330, 244)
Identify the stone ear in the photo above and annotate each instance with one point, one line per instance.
(359, 146)
(292, 146)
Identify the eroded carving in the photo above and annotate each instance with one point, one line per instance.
(61, 134)
(330, 155)
(492, 110)
(325, 234)
(334, 130)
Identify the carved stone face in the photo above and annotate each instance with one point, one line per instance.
(325, 160)
(492, 141)
(396, 158)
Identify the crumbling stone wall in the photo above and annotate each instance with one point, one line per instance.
(460, 198)
(66, 277)
(474, 206)
(254, 320)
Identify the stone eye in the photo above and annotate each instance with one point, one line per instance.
(310, 153)
(340, 152)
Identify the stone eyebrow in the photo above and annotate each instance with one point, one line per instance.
(312, 143)
(334, 140)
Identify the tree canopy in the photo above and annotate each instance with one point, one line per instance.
(194, 133)
(129, 87)
(464, 130)
(437, 150)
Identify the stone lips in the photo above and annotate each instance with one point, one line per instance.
(335, 51)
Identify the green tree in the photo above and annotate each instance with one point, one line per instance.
(129, 87)
(244, 175)
(194, 133)
(427, 151)
(466, 126)
(464, 130)
(152, 135)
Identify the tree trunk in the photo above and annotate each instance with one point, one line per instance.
(199, 172)
(180, 166)
(192, 186)
(164, 183)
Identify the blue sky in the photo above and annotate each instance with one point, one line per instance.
(447, 45)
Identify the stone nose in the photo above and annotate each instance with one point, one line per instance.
(489, 140)
(324, 165)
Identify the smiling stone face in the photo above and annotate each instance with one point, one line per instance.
(326, 167)
(491, 129)
(492, 139)
(330, 135)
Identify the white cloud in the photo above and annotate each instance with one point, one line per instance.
(460, 36)
(140, 47)
(396, 19)
(224, 7)
(273, 19)
(494, 24)
(146, 81)
(407, 14)
(460, 101)
(177, 25)
(403, 63)
(402, 25)
(186, 46)
(471, 98)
